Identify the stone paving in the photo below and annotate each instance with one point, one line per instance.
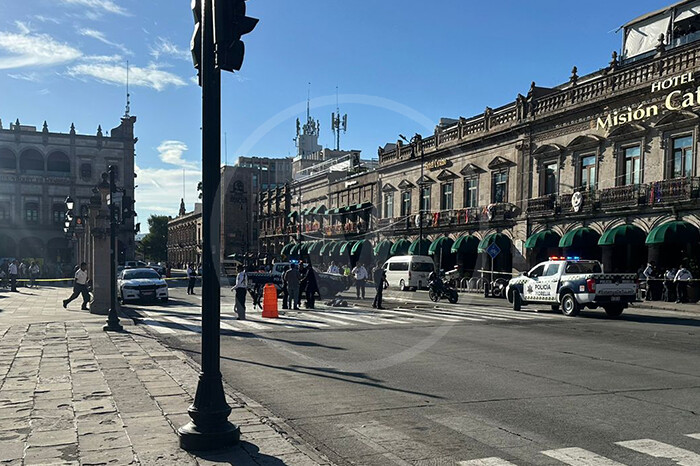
(73, 394)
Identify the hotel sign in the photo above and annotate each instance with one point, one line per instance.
(438, 164)
(673, 101)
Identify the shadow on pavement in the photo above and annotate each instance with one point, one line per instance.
(593, 315)
(240, 454)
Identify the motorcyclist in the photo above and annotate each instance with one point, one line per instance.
(435, 281)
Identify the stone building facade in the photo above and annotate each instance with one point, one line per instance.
(185, 237)
(39, 169)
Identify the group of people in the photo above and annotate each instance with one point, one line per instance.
(360, 275)
(670, 286)
(11, 271)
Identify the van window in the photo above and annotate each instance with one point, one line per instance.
(422, 266)
(398, 266)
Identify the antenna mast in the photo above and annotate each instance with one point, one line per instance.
(128, 96)
(338, 123)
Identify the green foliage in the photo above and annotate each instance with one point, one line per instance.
(155, 244)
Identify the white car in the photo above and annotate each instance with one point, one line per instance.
(144, 283)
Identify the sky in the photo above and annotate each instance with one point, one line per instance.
(398, 67)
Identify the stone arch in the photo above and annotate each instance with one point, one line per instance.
(597, 226)
(8, 247)
(31, 160)
(31, 247)
(570, 226)
(643, 223)
(559, 229)
(692, 219)
(58, 251)
(58, 161)
(660, 221)
(8, 159)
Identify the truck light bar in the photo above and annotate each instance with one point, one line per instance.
(562, 258)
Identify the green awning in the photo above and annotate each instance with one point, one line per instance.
(327, 248)
(316, 247)
(334, 211)
(419, 248)
(443, 244)
(304, 247)
(320, 210)
(287, 249)
(582, 236)
(677, 232)
(361, 246)
(362, 206)
(337, 246)
(466, 244)
(293, 214)
(543, 239)
(346, 248)
(295, 250)
(622, 234)
(400, 248)
(383, 248)
(499, 239)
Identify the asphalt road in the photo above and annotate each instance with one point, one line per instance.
(474, 383)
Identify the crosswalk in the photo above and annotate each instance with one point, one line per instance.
(652, 452)
(172, 319)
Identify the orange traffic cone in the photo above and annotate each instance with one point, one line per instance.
(270, 301)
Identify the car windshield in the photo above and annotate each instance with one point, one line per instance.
(136, 274)
(583, 267)
(421, 267)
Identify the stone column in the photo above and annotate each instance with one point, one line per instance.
(99, 261)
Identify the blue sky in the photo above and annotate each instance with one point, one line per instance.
(399, 65)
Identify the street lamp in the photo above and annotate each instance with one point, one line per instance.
(415, 140)
(112, 324)
(69, 203)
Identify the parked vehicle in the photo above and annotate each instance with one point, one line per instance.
(442, 290)
(572, 284)
(143, 283)
(157, 267)
(408, 272)
(329, 284)
(135, 264)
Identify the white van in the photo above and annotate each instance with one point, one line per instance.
(408, 272)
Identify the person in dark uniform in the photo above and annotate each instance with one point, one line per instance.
(379, 279)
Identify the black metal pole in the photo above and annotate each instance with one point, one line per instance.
(210, 428)
(113, 324)
(420, 204)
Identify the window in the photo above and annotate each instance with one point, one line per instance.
(682, 161)
(632, 168)
(499, 188)
(389, 205)
(425, 199)
(58, 213)
(549, 178)
(551, 270)
(536, 272)
(86, 171)
(471, 192)
(405, 203)
(58, 162)
(588, 179)
(422, 266)
(7, 160)
(31, 212)
(398, 266)
(446, 196)
(4, 211)
(31, 160)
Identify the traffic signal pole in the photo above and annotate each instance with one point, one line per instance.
(210, 428)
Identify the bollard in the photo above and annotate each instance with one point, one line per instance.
(270, 301)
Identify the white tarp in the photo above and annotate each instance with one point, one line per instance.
(643, 37)
(688, 11)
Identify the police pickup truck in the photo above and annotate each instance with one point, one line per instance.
(572, 284)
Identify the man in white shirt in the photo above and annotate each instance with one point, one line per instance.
(12, 272)
(241, 289)
(360, 273)
(683, 276)
(80, 287)
(333, 268)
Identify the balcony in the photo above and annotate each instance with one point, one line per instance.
(588, 202)
(674, 190)
(622, 196)
(541, 206)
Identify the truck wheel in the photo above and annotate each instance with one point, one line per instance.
(569, 305)
(614, 310)
(402, 285)
(517, 301)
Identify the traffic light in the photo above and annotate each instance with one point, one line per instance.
(127, 208)
(196, 42)
(230, 23)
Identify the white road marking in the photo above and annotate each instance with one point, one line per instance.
(325, 318)
(188, 324)
(487, 462)
(580, 457)
(158, 326)
(359, 319)
(695, 436)
(656, 449)
(419, 315)
(491, 314)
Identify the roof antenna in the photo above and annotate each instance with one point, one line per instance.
(128, 96)
(308, 103)
(338, 123)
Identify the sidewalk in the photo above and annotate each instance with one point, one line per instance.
(73, 394)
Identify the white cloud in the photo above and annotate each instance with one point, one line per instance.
(22, 26)
(31, 77)
(25, 49)
(160, 190)
(97, 35)
(171, 152)
(164, 47)
(151, 76)
(103, 58)
(46, 19)
(100, 6)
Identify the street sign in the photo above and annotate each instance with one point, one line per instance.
(493, 250)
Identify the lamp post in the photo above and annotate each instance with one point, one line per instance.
(415, 140)
(112, 324)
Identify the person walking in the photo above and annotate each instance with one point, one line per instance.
(669, 288)
(310, 285)
(650, 275)
(191, 278)
(33, 274)
(683, 276)
(80, 287)
(241, 288)
(12, 271)
(379, 279)
(292, 279)
(285, 291)
(361, 275)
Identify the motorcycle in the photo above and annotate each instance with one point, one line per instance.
(438, 291)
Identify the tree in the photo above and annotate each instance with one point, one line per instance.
(155, 244)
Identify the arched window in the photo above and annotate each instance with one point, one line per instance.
(31, 212)
(8, 161)
(31, 160)
(58, 162)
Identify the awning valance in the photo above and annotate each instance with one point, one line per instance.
(400, 247)
(419, 247)
(360, 246)
(583, 236)
(622, 234)
(543, 239)
(677, 231)
(466, 244)
(346, 248)
(383, 248)
(441, 245)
